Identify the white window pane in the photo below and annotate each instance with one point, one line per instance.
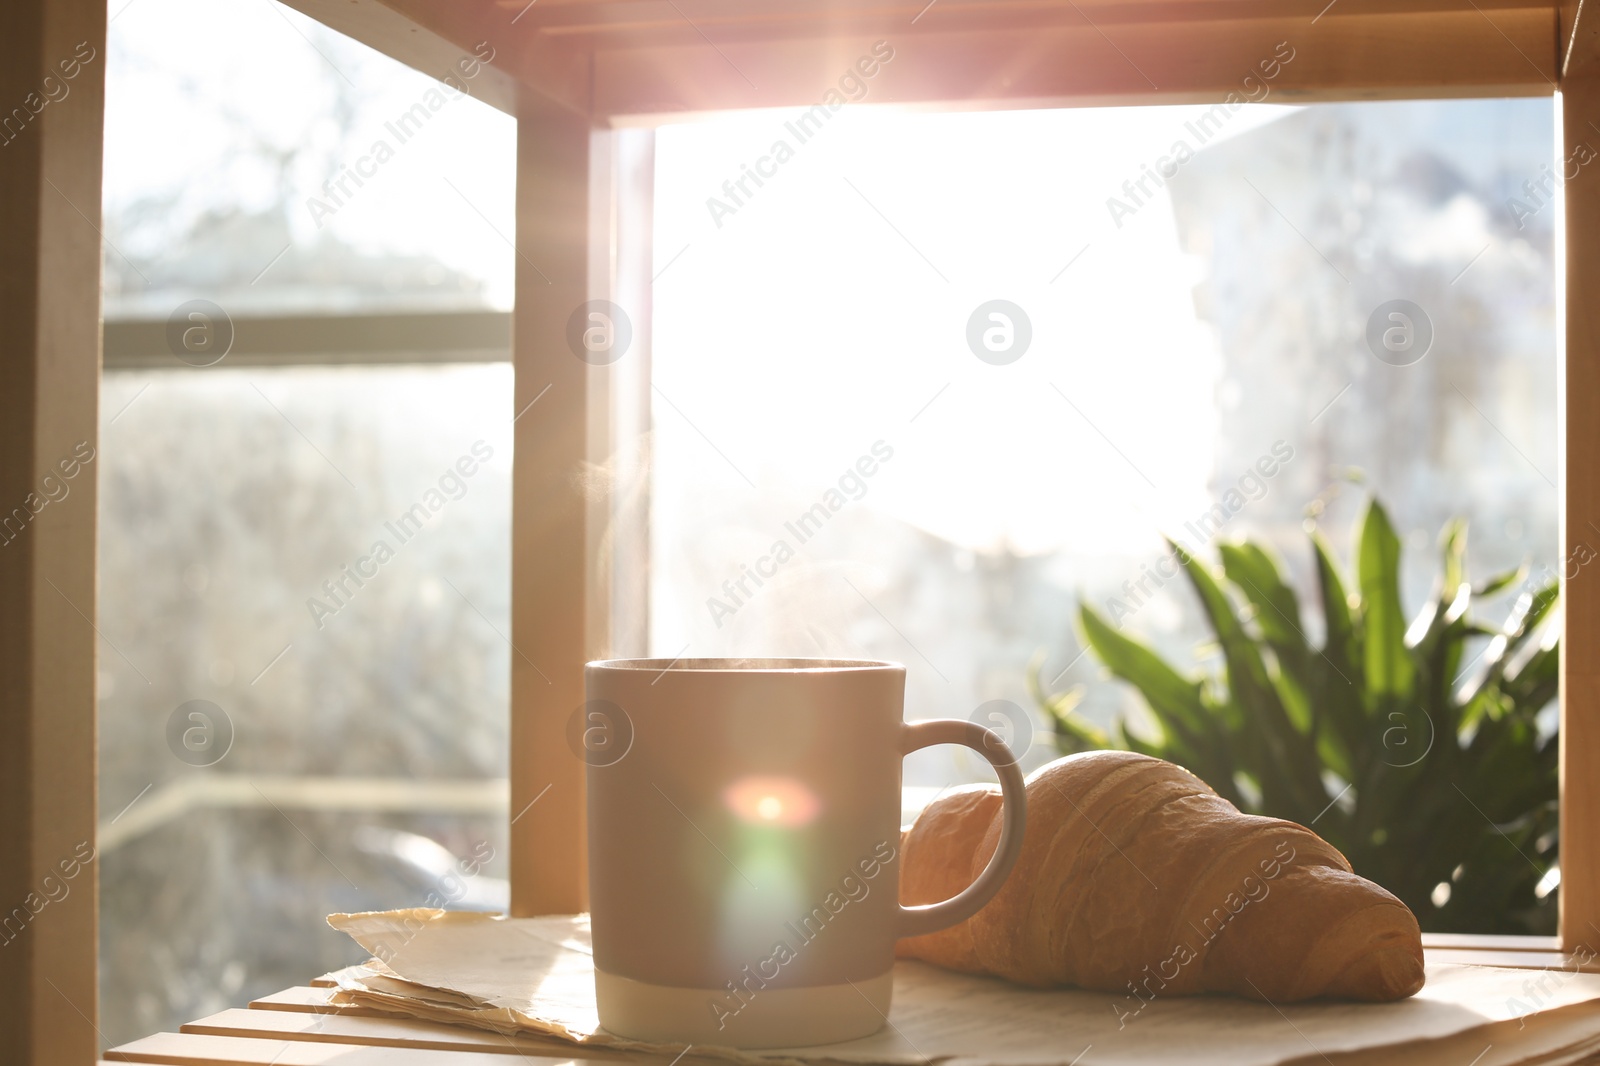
(321, 558)
(267, 163)
(1179, 332)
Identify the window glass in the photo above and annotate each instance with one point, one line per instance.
(1186, 295)
(262, 161)
(304, 571)
(304, 670)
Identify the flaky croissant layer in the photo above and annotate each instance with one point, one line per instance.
(1136, 877)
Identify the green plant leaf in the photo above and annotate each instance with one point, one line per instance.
(1527, 614)
(1338, 708)
(1390, 673)
(1289, 773)
(1072, 733)
(1400, 816)
(1277, 614)
(1500, 582)
(1174, 700)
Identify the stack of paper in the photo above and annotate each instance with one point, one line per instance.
(535, 976)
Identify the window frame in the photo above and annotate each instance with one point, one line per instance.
(585, 98)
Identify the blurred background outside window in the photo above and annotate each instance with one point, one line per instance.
(294, 721)
(1178, 333)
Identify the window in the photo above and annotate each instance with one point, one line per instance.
(1151, 355)
(304, 569)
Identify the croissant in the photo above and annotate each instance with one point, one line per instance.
(1136, 877)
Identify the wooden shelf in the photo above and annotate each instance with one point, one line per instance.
(302, 1026)
(644, 61)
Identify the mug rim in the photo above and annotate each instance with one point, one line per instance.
(746, 664)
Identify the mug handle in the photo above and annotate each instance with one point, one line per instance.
(915, 921)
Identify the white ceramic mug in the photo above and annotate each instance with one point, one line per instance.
(744, 829)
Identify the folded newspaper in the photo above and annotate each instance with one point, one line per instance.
(535, 977)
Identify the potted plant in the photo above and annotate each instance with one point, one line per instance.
(1442, 790)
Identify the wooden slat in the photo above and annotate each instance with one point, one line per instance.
(650, 23)
(1484, 942)
(1516, 960)
(659, 57)
(383, 1030)
(375, 1028)
(313, 1006)
(308, 999)
(613, 23)
(1377, 56)
(431, 37)
(194, 1049)
(49, 392)
(550, 542)
(1580, 511)
(828, 12)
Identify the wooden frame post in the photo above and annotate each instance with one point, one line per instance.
(580, 481)
(1578, 287)
(550, 544)
(50, 166)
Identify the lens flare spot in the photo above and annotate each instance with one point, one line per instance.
(780, 801)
